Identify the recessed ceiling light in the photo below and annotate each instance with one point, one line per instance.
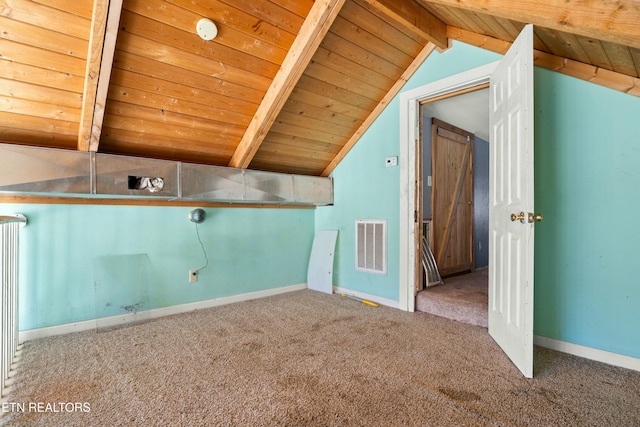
(206, 29)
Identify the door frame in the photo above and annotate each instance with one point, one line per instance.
(409, 175)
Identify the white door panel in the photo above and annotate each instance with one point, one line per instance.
(511, 192)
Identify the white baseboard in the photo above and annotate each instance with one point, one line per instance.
(108, 322)
(373, 298)
(614, 359)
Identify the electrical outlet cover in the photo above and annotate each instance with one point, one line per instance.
(193, 276)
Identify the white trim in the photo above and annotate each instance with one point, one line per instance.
(409, 125)
(591, 353)
(362, 295)
(615, 359)
(112, 321)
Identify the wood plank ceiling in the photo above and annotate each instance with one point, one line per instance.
(286, 86)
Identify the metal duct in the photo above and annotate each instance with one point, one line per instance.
(114, 175)
(200, 182)
(270, 187)
(42, 170)
(312, 189)
(229, 184)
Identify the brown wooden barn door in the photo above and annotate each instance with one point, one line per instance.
(452, 198)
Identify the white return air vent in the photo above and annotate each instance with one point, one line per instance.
(371, 245)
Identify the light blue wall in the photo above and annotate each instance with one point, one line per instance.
(366, 189)
(587, 163)
(75, 258)
(587, 285)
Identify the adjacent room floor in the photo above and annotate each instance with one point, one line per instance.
(463, 298)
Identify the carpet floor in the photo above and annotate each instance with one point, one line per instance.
(308, 359)
(464, 298)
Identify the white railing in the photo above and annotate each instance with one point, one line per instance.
(9, 226)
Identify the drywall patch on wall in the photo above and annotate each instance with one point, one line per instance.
(121, 286)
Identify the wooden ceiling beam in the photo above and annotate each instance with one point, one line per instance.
(591, 73)
(313, 30)
(102, 46)
(422, 56)
(612, 21)
(412, 15)
(94, 56)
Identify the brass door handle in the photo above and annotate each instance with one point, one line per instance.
(518, 217)
(531, 217)
(535, 217)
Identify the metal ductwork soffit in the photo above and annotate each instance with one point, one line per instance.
(34, 170)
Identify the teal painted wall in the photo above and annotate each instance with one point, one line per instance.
(364, 188)
(587, 164)
(78, 261)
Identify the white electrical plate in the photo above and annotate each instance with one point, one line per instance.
(193, 276)
(391, 161)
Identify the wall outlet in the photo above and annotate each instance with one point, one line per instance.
(193, 276)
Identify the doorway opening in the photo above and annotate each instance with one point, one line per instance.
(453, 163)
(511, 190)
(411, 270)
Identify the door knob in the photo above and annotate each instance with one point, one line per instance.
(518, 217)
(535, 217)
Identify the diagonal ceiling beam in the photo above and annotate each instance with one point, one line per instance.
(422, 56)
(313, 30)
(94, 56)
(106, 66)
(591, 73)
(411, 14)
(612, 21)
(102, 45)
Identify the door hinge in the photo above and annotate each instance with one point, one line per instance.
(415, 216)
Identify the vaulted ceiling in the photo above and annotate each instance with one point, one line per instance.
(286, 86)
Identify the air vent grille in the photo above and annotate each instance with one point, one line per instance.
(371, 246)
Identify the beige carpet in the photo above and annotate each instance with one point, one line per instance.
(309, 359)
(463, 298)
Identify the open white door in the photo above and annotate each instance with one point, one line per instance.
(511, 215)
